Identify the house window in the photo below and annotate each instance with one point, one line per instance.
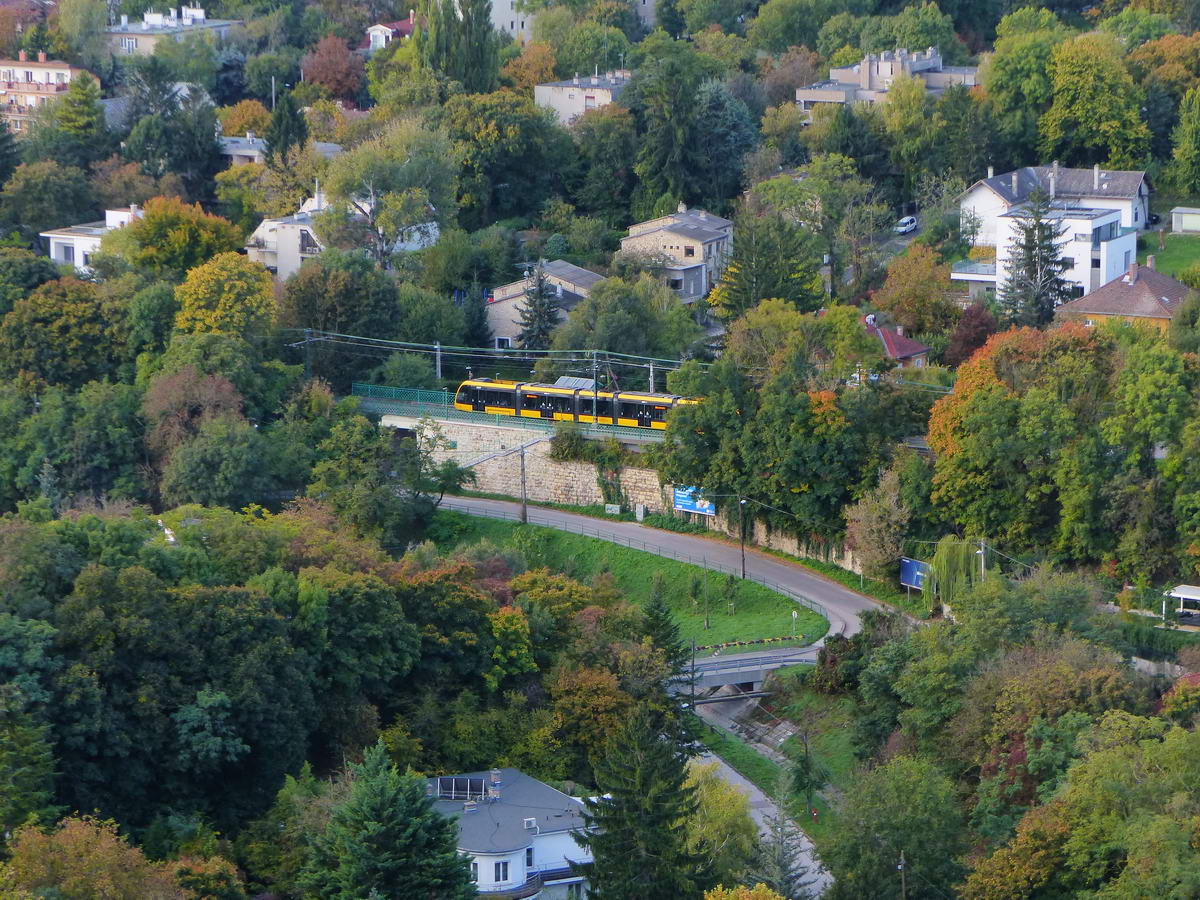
(1088, 323)
(1068, 262)
(68, 252)
(1135, 214)
(689, 251)
(29, 76)
(475, 871)
(528, 857)
(87, 259)
(501, 871)
(1127, 260)
(503, 343)
(1095, 263)
(589, 101)
(575, 891)
(675, 284)
(128, 45)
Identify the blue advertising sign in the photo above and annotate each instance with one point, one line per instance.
(913, 573)
(688, 499)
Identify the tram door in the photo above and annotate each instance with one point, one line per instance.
(479, 403)
(645, 415)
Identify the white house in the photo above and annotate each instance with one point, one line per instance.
(283, 244)
(75, 244)
(253, 149)
(519, 833)
(140, 38)
(571, 284)
(570, 99)
(991, 197)
(1095, 245)
(516, 23)
(381, 34)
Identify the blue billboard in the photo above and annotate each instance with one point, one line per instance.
(913, 573)
(688, 499)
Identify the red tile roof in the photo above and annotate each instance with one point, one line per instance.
(896, 345)
(1142, 293)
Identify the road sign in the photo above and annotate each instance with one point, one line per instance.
(913, 573)
(688, 499)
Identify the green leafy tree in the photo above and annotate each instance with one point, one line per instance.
(20, 272)
(44, 195)
(387, 840)
(668, 162)
(772, 258)
(26, 764)
(229, 294)
(171, 237)
(539, 314)
(721, 831)
(512, 655)
(221, 466)
(905, 806)
(63, 334)
(1095, 106)
(634, 835)
(82, 24)
(1184, 168)
(606, 140)
(513, 154)
(917, 292)
(401, 180)
(459, 43)
(288, 129)
(1035, 286)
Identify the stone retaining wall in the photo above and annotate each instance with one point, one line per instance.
(576, 483)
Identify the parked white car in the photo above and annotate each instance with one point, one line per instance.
(907, 225)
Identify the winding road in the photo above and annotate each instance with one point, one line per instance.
(840, 605)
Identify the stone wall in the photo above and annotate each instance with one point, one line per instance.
(577, 484)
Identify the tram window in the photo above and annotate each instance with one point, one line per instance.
(531, 401)
(465, 396)
(603, 407)
(630, 410)
(498, 398)
(563, 404)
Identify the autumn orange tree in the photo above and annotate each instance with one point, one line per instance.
(917, 292)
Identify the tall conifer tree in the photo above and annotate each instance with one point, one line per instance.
(1035, 286)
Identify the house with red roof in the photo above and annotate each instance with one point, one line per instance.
(1142, 295)
(897, 346)
(380, 35)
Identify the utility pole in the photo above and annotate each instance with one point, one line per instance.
(903, 878)
(524, 499)
(437, 359)
(652, 378)
(982, 560)
(742, 533)
(693, 679)
(308, 354)
(272, 93)
(596, 390)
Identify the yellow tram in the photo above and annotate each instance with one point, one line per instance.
(635, 409)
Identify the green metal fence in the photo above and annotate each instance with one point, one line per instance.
(402, 395)
(392, 401)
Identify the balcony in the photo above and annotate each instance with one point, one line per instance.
(531, 887)
(973, 270)
(35, 87)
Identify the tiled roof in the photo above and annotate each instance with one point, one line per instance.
(1150, 295)
(1068, 183)
(896, 345)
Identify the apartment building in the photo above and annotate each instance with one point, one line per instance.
(27, 85)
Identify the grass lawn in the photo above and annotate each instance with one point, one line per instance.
(1180, 251)
(828, 721)
(745, 760)
(757, 611)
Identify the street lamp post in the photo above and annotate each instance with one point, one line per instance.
(742, 533)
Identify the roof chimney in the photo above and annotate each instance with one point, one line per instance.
(412, 14)
(991, 171)
(249, 135)
(575, 80)
(22, 56)
(1150, 262)
(1096, 177)
(124, 20)
(1131, 278)
(1053, 181)
(1014, 182)
(41, 56)
(682, 207)
(900, 330)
